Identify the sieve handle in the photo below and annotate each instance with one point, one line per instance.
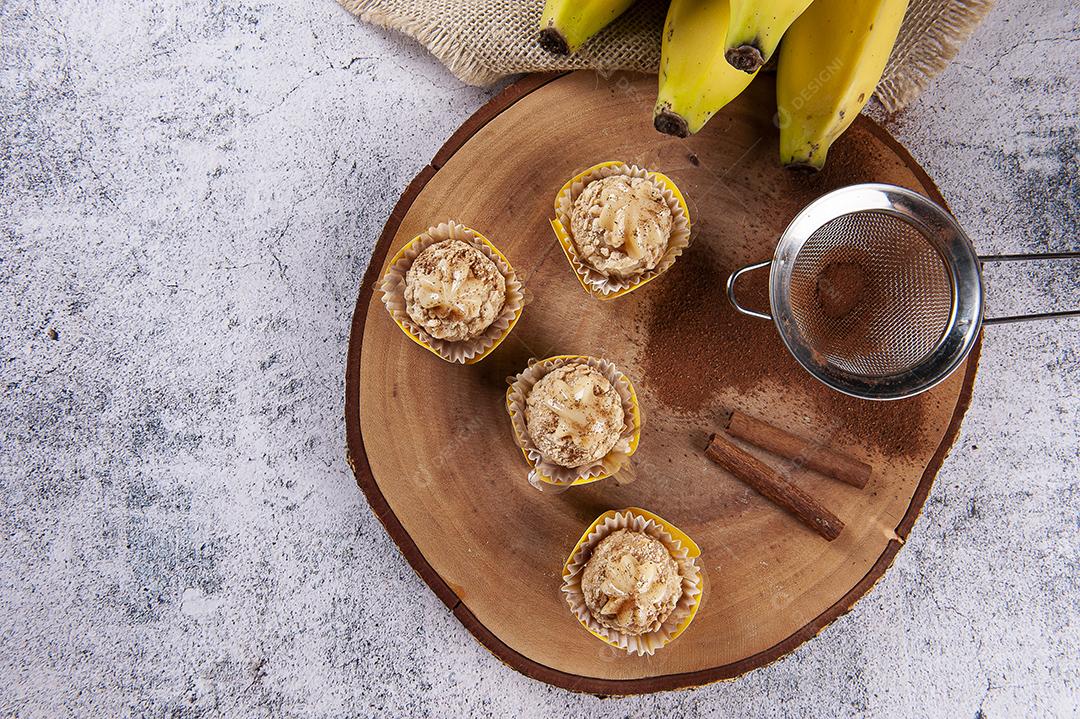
(1024, 258)
(731, 289)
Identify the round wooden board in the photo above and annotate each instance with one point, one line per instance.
(430, 441)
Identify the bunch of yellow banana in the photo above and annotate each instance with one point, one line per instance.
(567, 24)
(831, 61)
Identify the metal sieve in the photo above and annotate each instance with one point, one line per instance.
(878, 292)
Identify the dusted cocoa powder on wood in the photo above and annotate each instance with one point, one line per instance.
(697, 344)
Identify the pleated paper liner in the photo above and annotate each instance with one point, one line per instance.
(682, 549)
(464, 351)
(547, 476)
(596, 283)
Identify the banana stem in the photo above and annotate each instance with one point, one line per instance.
(671, 123)
(805, 167)
(745, 57)
(553, 41)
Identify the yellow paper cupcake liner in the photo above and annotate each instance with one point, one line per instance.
(547, 476)
(682, 549)
(464, 351)
(595, 283)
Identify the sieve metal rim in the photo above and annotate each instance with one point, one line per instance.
(958, 256)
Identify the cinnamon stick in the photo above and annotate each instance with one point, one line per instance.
(807, 453)
(768, 482)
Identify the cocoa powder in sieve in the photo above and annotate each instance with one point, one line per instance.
(840, 288)
(840, 324)
(696, 344)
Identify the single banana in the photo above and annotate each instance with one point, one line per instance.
(830, 62)
(567, 24)
(756, 28)
(695, 79)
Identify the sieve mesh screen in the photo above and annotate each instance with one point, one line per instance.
(870, 294)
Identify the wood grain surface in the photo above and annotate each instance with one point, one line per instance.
(430, 442)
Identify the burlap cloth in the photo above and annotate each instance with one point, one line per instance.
(481, 41)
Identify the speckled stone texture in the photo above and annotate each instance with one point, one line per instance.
(189, 194)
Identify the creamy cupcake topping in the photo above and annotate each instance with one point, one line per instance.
(621, 225)
(631, 582)
(453, 291)
(574, 415)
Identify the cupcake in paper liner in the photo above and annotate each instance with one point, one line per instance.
(633, 580)
(452, 292)
(576, 420)
(620, 226)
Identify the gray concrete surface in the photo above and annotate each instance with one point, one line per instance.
(189, 193)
